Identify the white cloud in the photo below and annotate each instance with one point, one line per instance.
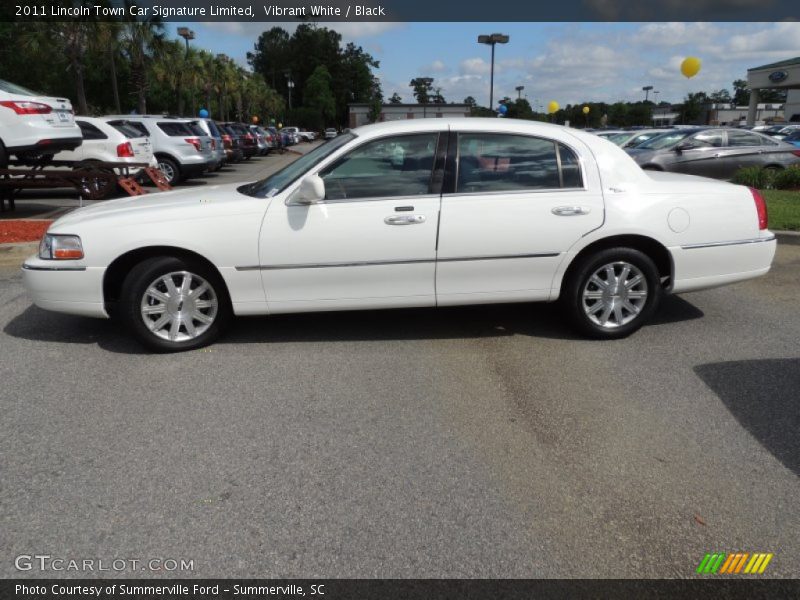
(474, 66)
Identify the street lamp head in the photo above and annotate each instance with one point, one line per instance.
(519, 88)
(647, 88)
(495, 38)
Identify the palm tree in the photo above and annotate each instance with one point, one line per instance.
(141, 40)
(168, 69)
(107, 38)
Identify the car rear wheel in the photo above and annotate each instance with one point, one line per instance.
(611, 294)
(170, 170)
(173, 304)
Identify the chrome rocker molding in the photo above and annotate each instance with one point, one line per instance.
(393, 262)
(31, 268)
(732, 243)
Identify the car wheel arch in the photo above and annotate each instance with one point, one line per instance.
(118, 269)
(654, 249)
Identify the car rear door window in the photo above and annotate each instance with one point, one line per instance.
(490, 162)
(127, 129)
(743, 138)
(383, 168)
(90, 132)
(135, 124)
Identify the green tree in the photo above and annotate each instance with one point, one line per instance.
(741, 93)
(395, 99)
(693, 107)
(470, 101)
(422, 89)
(319, 96)
(141, 40)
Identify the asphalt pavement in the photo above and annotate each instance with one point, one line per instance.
(463, 442)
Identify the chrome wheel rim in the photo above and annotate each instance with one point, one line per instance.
(167, 170)
(179, 306)
(614, 295)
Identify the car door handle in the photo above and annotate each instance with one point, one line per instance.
(570, 211)
(404, 219)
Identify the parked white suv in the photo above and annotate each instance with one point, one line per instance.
(34, 126)
(104, 142)
(181, 147)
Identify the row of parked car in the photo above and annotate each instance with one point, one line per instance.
(36, 128)
(709, 151)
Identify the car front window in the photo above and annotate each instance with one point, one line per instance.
(279, 181)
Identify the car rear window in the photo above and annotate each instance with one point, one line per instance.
(196, 129)
(129, 130)
(11, 88)
(212, 127)
(173, 129)
(90, 132)
(134, 124)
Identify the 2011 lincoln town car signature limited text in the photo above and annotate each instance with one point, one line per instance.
(415, 213)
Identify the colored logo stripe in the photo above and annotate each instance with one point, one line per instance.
(721, 562)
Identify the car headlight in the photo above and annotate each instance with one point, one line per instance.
(60, 247)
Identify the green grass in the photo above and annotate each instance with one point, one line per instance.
(783, 208)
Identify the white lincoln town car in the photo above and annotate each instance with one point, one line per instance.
(416, 213)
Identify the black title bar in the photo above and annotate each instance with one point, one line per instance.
(401, 10)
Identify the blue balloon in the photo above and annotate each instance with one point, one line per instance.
(203, 113)
(503, 109)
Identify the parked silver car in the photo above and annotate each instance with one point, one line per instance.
(180, 145)
(713, 152)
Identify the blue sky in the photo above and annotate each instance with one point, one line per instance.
(565, 62)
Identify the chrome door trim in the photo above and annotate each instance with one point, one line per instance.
(729, 243)
(28, 267)
(393, 262)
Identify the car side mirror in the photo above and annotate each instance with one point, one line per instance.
(684, 146)
(310, 191)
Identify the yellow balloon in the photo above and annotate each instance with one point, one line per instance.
(586, 110)
(552, 107)
(690, 66)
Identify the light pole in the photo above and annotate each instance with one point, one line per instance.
(492, 40)
(187, 34)
(646, 89)
(519, 89)
(289, 85)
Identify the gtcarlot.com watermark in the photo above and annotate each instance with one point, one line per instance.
(48, 563)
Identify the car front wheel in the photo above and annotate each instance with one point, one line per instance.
(173, 304)
(611, 294)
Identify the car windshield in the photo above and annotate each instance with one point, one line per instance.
(279, 181)
(665, 140)
(11, 88)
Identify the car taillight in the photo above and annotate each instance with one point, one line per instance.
(27, 108)
(796, 152)
(125, 150)
(249, 136)
(194, 142)
(213, 144)
(761, 208)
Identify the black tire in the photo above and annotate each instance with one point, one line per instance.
(614, 303)
(170, 169)
(3, 156)
(148, 275)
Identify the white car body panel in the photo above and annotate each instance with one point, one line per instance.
(278, 257)
(24, 131)
(106, 150)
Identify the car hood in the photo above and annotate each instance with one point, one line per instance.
(196, 202)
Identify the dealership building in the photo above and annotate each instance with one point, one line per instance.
(359, 113)
(780, 75)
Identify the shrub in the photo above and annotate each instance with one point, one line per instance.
(755, 177)
(788, 179)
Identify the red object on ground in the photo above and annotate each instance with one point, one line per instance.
(20, 230)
